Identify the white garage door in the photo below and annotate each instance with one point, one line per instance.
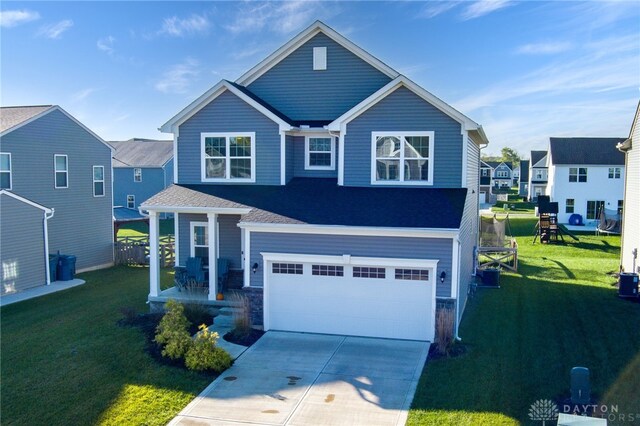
(392, 298)
(483, 197)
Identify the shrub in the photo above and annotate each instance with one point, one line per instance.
(242, 323)
(205, 355)
(172, 332)
(445, 320)
(197, 313)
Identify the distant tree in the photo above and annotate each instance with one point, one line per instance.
(491, 158)
(510, 155)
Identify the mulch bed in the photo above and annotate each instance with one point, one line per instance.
(456, 350)
(244, 340)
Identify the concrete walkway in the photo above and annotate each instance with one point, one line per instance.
(234, 350)
(311, 379)
(43, 290)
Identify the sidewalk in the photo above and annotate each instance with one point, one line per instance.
(32, 293)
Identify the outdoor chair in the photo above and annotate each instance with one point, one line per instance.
(191, 274)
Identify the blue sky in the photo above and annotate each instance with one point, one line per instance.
(524, 70)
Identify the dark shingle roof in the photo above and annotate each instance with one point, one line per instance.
(586, 151)
(323, 202)
(141, 153)
(524, 170)
(15, 115)
(537, 156)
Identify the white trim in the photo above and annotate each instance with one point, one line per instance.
(340, 123)
(351, 260)
(350, 230)
(93, 176)
(113, 224)
(192, 234)
(227, 158)
(176, 239)
(176, 134)
(455, 268)
(190, 110)
(306, 35)
(307, 153)
(203, 210)
(247, 257)
(154, 264)
(341, 159)
(57, 108)
(401, 135)
(47, 268)
(134, 175)
(465, 154)
(283, 158)
(212, 229)
(56, 171)
(134, 201)
(10, 171)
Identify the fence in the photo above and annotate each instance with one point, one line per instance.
(135, 250)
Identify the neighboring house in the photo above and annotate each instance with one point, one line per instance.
(523, 189)
(515, 175)
(486, 171)
(629, 261)
(502, 177)
(55, 177)
(585, 175)
(345, 193)
(141, 169)
(538, 175)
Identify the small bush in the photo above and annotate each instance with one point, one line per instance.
(205, 355)
(172, 332)
(445, 322)
(197, 313)
(242, 323)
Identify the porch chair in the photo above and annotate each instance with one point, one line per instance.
(223, 272)
(192, 273)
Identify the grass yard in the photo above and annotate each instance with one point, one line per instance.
(66, 361)
(557, 312)
(137, 229)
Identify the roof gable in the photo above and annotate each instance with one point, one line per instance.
(141, 153)
(588, 151)
(14, 117)
(536, 157)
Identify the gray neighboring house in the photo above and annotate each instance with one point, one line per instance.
(55, 182)
(343, 195)
(502, 176)
(629, 261)
(523, 187)
(486, 193)
(538, 175)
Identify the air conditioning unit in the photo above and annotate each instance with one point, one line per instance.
(628, 284)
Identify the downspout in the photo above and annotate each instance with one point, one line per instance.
(47, 216)
(457, 337)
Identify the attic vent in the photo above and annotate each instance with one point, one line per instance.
(319, 58)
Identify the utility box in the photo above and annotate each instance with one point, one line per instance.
(628, 285)
(491, 277)
(580, 386)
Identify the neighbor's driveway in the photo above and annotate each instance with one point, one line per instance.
(312, 379)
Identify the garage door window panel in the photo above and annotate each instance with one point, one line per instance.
(366, 272)
(412, 274)
(287, 268)
(327, 270)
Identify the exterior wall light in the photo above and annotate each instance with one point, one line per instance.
(254, 268)
(443, 275)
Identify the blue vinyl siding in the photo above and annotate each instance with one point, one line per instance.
(412, 248)
(299, 154)
(299, 92)
(228, 113)
(290, 156)
(82, 224)
(168, 173)
(403, 110)
(123, 184)
(22, 256)
(229, 239)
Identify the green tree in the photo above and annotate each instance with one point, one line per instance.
(510, 155)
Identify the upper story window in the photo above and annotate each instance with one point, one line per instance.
(137, 174)
(319, 153)
(402, 158)
(131, 201)
(61, 167)
(502, 174)
(539, 174)
(98, 181)
(614, 172)
(228, 157)
(5, 170)
(577, 174)
(485, 172)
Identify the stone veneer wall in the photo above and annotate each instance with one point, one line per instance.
(256, 299)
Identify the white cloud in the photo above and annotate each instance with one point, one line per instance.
(178, 77)
(483, 7)
(106, 44)
(279, 17)
(82, 94)
(12, 18)
(435, 8)
(546, 48)
(54, 31)
(179, 27)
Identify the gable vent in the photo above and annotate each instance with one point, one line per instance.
(319, 58)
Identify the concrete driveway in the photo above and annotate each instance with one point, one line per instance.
(312, 379)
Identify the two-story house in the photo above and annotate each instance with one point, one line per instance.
(345, 193)
(515, 174)
(538, 175)
(55, 195)
(486, 172)
(141, 169)
(523, 187)
(585, 175)
(629, 261)
(502, 177)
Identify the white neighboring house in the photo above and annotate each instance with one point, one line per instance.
(585, 174)
(631, 212)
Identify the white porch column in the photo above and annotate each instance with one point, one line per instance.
(212, 219)
(154, 264)
(176, 236)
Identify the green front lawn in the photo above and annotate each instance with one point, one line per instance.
(66, 361)
(557, 312)
(137, 229)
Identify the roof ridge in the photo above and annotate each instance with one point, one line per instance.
(26, 106)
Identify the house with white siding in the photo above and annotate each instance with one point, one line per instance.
(631, 213)
(344, 194)
(55, 195)
(585, 175)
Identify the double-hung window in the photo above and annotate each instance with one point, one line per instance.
(200, 241)
(319, 153)
(614, 172)
(228, 157)
(61, 167)
(98, 181)
(137, 174)
(570, 205)
(577, 174)
(485, 172)
(5, 170)
(402, 158)
(131, 201)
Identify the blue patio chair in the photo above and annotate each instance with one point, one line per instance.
(223, 271)
(191, 274)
